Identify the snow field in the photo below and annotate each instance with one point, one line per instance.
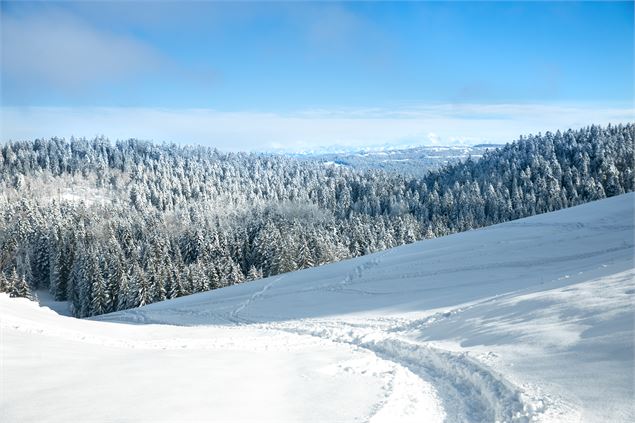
(530, 320)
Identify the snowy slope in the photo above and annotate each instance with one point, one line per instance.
(531, 320)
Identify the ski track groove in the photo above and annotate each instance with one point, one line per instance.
(466, 389)
(254, 297)
(469, 390)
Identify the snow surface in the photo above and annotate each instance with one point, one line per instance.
(531, 320)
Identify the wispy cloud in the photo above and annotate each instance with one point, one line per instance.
(442, 124)
(53, 50)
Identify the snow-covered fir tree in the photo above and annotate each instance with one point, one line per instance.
(109, 226)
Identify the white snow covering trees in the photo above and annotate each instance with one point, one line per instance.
(180, 220)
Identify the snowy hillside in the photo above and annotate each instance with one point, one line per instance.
(530, 320)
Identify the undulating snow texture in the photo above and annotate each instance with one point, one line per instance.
(530, 320)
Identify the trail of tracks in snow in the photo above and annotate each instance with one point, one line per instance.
(428, 381)
(466, 389)
(233, 315)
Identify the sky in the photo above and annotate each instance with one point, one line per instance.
(260, 76)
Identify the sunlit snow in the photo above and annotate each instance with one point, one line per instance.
(530, 320)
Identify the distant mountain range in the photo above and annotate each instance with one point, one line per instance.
(411, 161)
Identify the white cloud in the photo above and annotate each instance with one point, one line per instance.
(56, 51)
(443, 124)
(433, 139)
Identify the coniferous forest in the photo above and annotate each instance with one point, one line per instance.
(110, 226)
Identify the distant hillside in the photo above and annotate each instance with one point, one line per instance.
(411, 162)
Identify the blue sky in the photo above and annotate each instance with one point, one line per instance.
(258, 76)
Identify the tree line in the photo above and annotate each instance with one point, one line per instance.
(111, 226)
